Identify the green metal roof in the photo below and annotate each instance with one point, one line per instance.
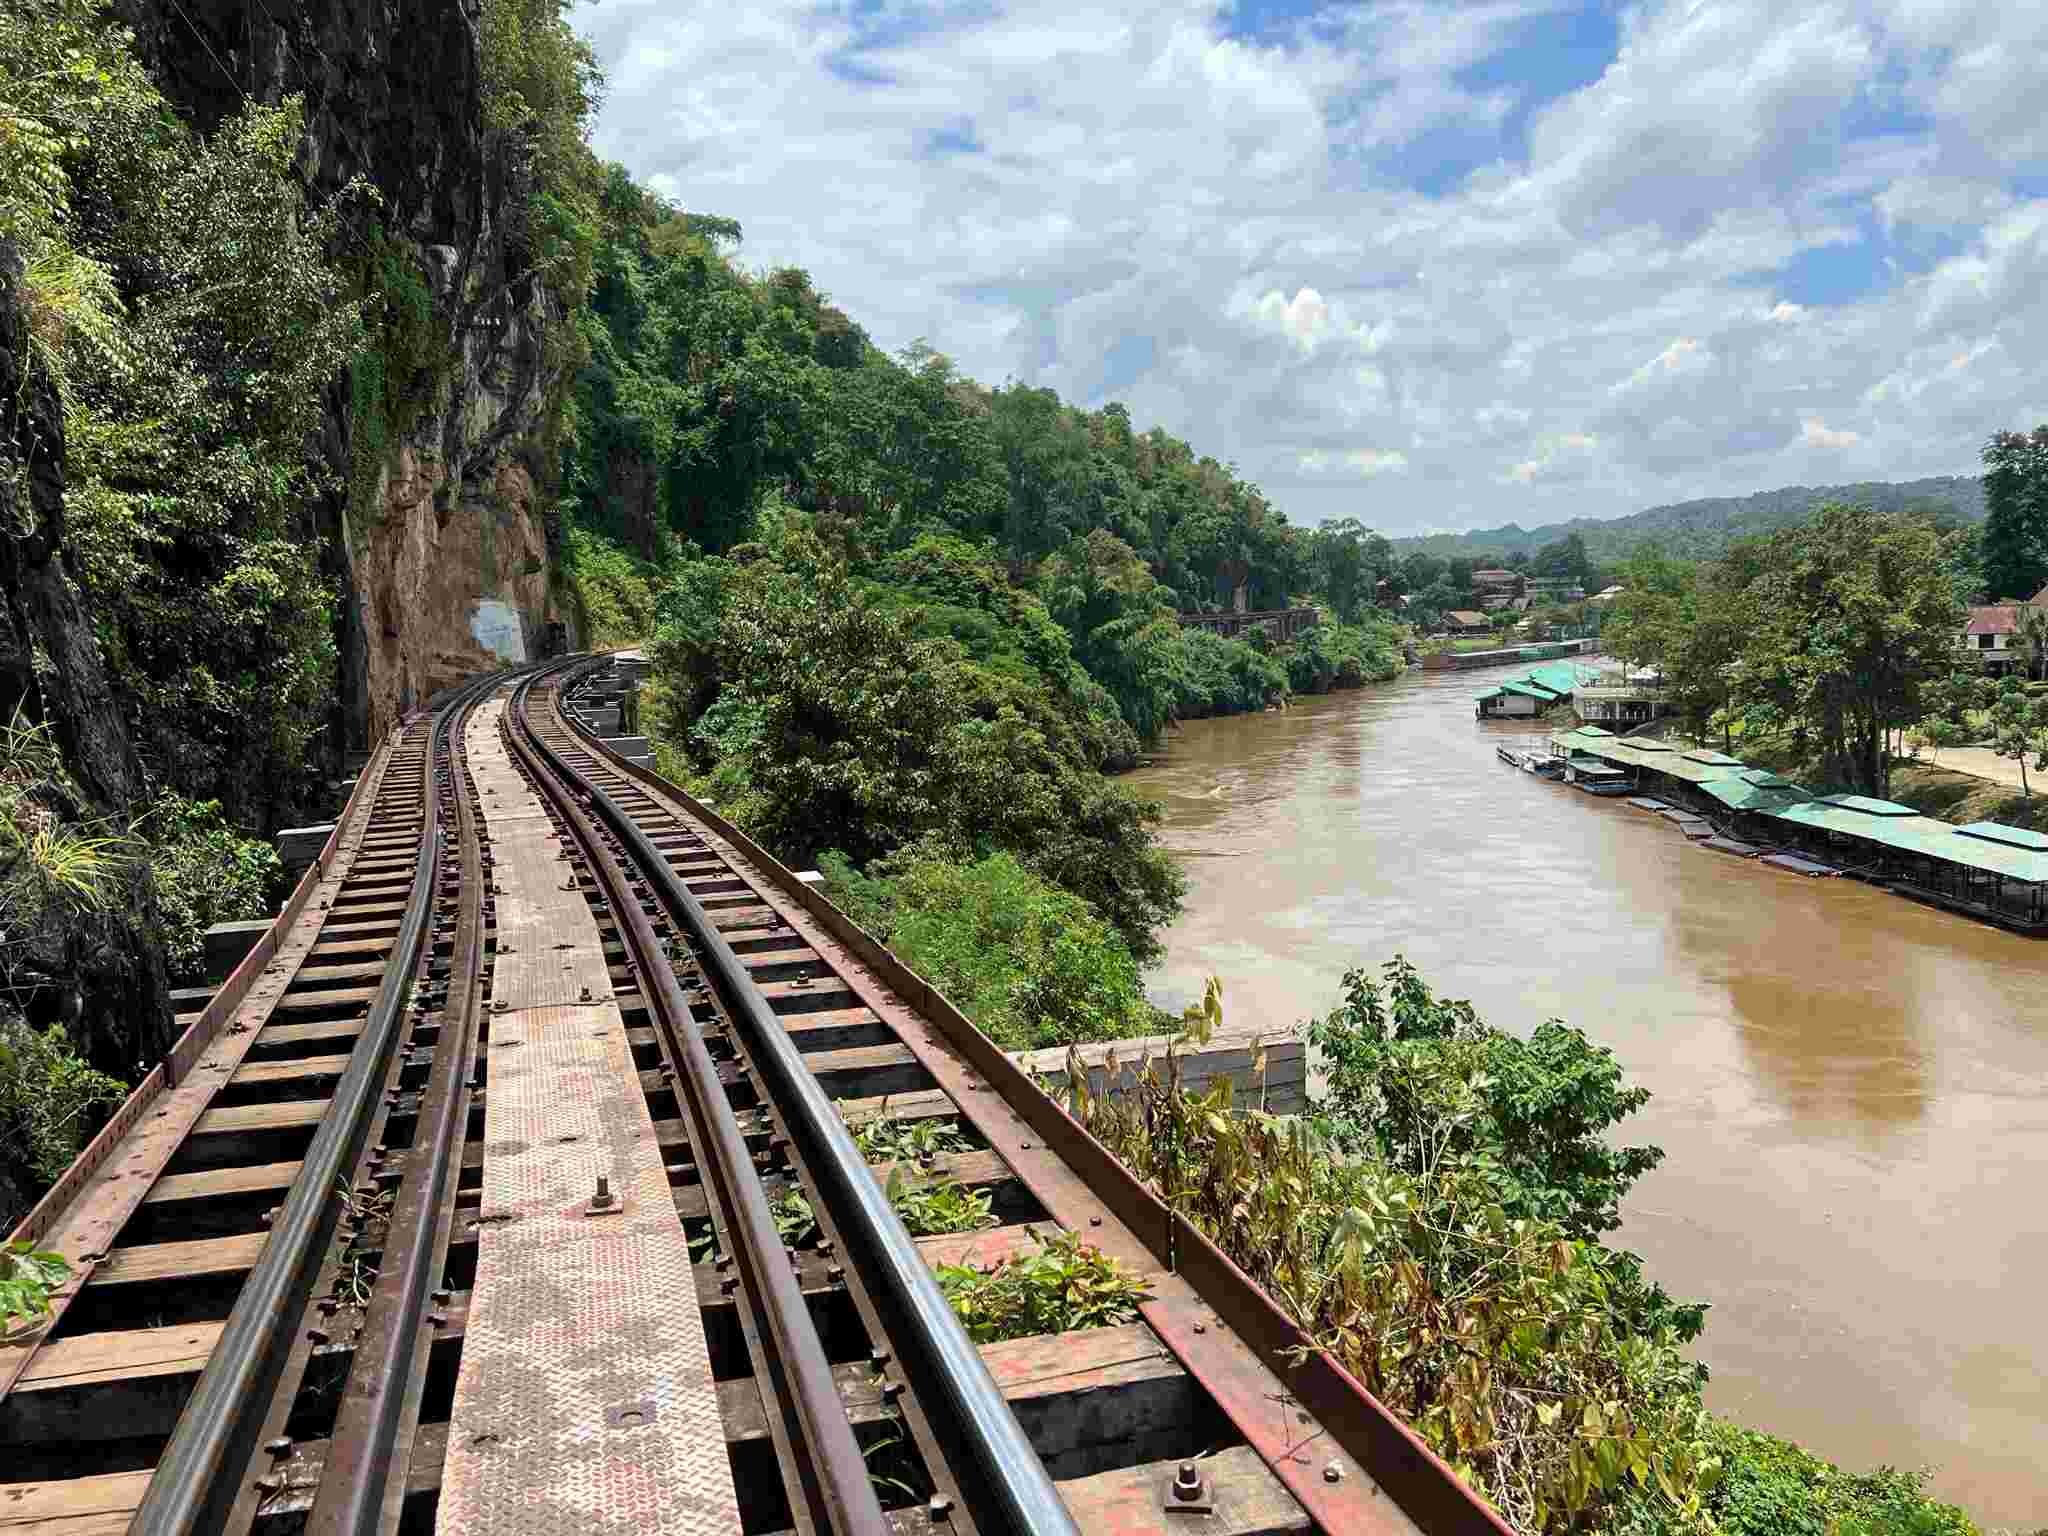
(1870, 807)
(1914, 833)
(2013, 852)
(1999, 832)
(1550, 682)
(1738, 793)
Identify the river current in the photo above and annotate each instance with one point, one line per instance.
(1852, 1089)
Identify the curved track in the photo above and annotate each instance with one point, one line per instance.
(329, 1279)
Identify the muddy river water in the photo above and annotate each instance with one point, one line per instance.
(1852, 1089)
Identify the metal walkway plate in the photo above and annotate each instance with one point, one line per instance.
(585, 1402)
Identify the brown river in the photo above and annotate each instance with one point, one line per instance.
(1852, 1089)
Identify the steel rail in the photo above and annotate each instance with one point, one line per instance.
(196, 1478)
(1398, 1462)
(366, 1461)
(1028, 1499)
(834, 1472)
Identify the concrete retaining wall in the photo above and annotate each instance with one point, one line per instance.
(1228, 1054)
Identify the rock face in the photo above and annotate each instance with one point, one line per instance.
(444, 561)
(114, 966)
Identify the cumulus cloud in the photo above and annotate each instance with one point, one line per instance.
(1303, 319)
(1679, 273)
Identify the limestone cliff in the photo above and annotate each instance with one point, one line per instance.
(438, 538)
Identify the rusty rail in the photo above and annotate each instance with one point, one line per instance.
(832, 1471)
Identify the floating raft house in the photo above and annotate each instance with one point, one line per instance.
(1533, 692)
(1987, 869)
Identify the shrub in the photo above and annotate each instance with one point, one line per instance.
(1029, 963)
(1413, 1078)
(1061, 1285)
(1537, 1364)
(205, 873)
(50, 1099)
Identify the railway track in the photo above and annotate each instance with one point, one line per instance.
(512, 1186)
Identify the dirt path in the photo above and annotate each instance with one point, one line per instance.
(1983, 763)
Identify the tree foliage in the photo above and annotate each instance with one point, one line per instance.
(2015, 538)
(1825, 635)
(828, 721)
(1415, 1078)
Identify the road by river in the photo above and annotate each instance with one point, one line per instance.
(1852, 1089)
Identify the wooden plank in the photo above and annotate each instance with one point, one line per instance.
(974, 1169)
(926, 1104)
(300, 1071)
(1130, 1501)
(341, 947)
(88, 1359)
(982, 1250)
(73, 1506)
(151, 1262)
(309, 1002)
(238, 1119)
(793, 954)
(280, 1035)
(220, 1183)
(358, 970)
(831, 1029)
(867, 1070)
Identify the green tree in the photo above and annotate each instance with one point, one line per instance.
(835, 724)
(2015, 537)
(2019, 728)
(1847, 619)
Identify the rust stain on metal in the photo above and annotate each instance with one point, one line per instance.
(1083, 1187)
(82, 1214)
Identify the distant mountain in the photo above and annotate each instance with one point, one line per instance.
(1701, 528)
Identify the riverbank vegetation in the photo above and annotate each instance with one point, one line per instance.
(1818, 644)
(1436, 1222)
(902, 624)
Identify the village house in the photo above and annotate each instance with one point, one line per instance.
(1991, 636)
(1496, 588)
(1463, 621)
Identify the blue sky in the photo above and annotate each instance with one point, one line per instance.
(1428, 264)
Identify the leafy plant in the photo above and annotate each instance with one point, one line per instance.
(1420, 1080)
(1030, 963)
(28, 1276)
(795, 1222)
(1541, 1365)
(1061, 1285)
(882, 1139)
(205, 872)
(931, 1207)
(50, 1097)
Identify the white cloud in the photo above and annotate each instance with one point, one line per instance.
(1818, 434)
(1237, 202)
(1684, 356)
(1361, 463)
(1303, 318)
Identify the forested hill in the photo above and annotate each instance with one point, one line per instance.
(1703, 528)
